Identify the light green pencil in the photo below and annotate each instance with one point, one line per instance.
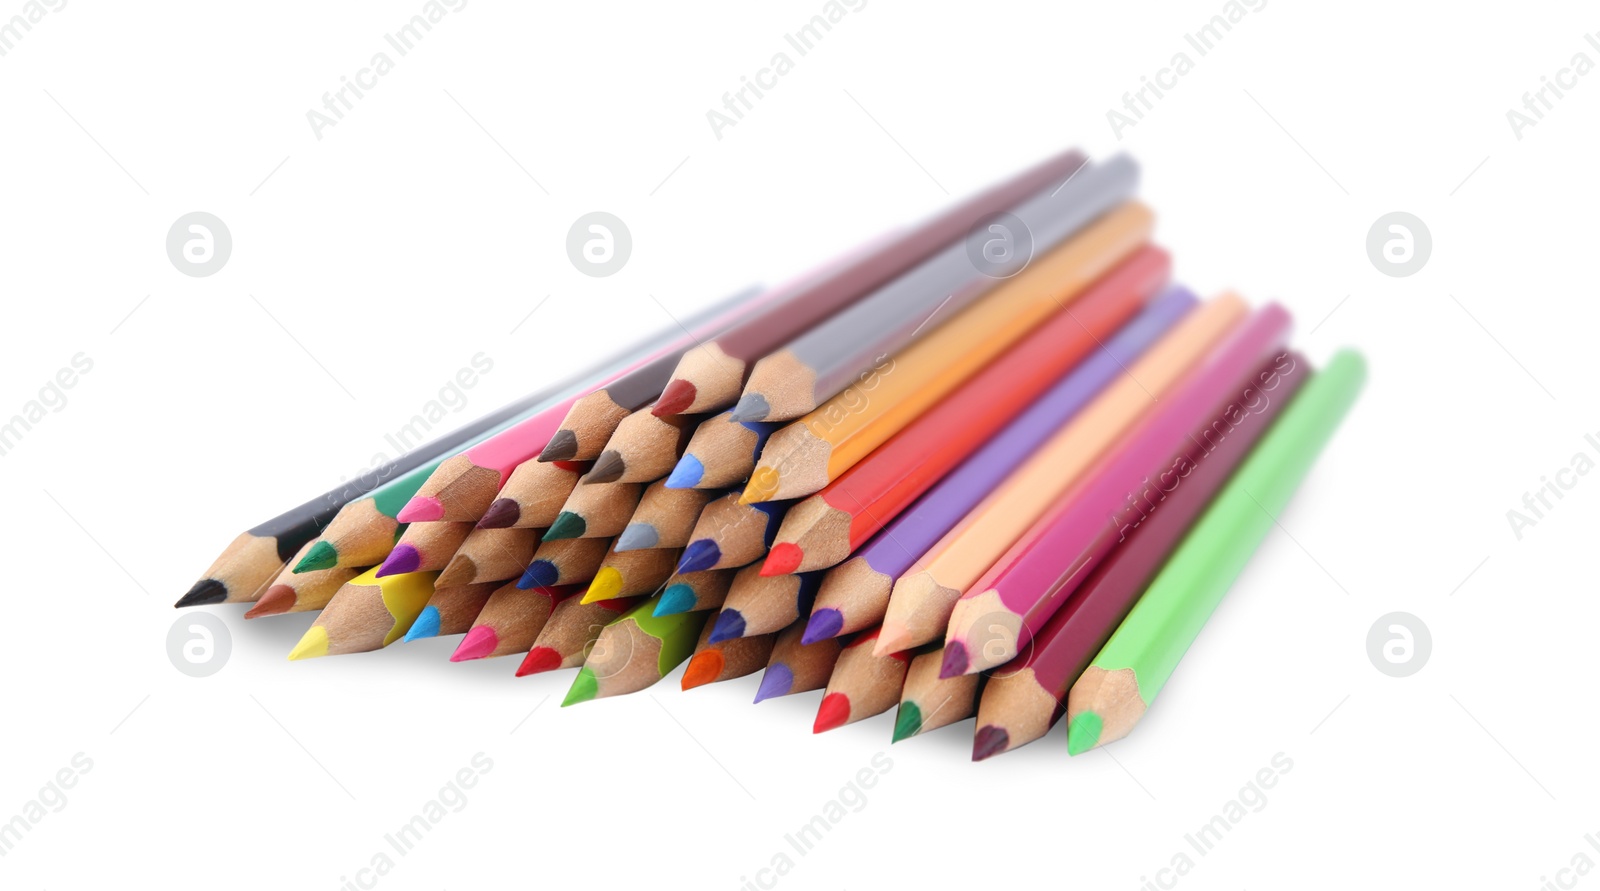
(1116, 689)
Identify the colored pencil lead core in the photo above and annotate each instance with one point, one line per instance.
(777, 681)
(278, 599)
(674, 600)
(730, 624)
(404, 558)
(606, 585)
(824, 624)
(687, 474)
(539, 659)
(784, 558)
(989, 740)
(763, 486)
(421, 509)
(751, 407)
(321, 556)
(907, 721)
(699, 556)
(703, 668)
(479, 642)
(1083, 732)
(312, 645)
(567, 525)
(833, 712)
(561, 447)
(584, 687)
(955, 660)
(426, 625)
(204, 591)
(502, 514)
(637, 537)
(607, 468)
(678, 396)
(539, 574)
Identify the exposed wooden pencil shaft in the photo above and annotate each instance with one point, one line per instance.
(624, 659)
(575, 560)
(463, 488)
(784, 384)
(1016, 703)
(1111, 695)
(920, 608)
(939, 702)
(572, 629)
(589, 423)
(361, 534)
(669, 514)
(716, 376)
(643, 449)
(247, 567)
(821, 530)
(726, 451)
(491, 555)
(793, 464)
(603, 508)
(539, 489)
(860, 594)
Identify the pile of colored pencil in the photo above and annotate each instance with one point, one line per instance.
(992, 465)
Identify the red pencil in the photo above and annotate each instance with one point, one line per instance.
(823, 530)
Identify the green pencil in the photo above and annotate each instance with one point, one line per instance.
(1116, 689)
(634, 651)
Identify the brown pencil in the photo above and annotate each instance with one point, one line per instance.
(533, 495)
(644, 448)
(293, 592)
(490, 555)
(598, 511)
(664, 517)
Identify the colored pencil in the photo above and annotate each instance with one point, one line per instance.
(510, 621)
(490, 555)
(760, 604)
(796, 667)
(689, 591)
(863, 684)
(731, 533)
(822, 530)
(855, 594)
(726, 660)
(568, 562)
(368, 613)
(532, 496)
(664, 518)
(632, 574)
(1118, 686)
(710, 376)
(1025, 698)
(600, 511)
(293, 592)
(424, 547)
(450, 610)
(643, 448)
(463, 486)
(364, 531)
(928, 701)
(569, 633)
(634, 652)
(920, 605)
(721, 453)
(1002, 610)
(807, 455)
(817, 365)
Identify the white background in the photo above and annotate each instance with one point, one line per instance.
(368, 266)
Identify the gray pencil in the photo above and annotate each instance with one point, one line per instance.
(824, 361)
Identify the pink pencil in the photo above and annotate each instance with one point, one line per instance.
(995, 618)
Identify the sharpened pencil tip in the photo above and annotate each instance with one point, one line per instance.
(676, 599)
(566, 525)
(824, 624)
(404, 558)
(421, 509)
(426, 625)
(907, 721)
(637, 537)
(321, 556)
(606, 585)
(584, 687)
(891, 639)
(1083, 732)
(204, 591)
(777, 681)
(833, 712)
(687, 474)
(608, 468)
(763, 486)
(784, 558)
(279, 599)
(701, 554)
(703, 668)
(561, 447)
(539, 659)
(678, 396)
(729, 625)
(312, 645)
(479, 642)
(503, 513)
(751, 407)
(988, 741)
(539, 574)
(955, 660)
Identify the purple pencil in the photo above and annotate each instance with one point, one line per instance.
(855, 594)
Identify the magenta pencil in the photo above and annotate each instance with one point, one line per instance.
(1014, 599)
